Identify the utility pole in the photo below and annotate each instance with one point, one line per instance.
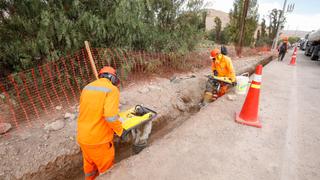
(281, 20)
(242, 26)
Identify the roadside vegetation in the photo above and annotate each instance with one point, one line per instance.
(35, 32)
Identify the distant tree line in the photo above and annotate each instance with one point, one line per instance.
(33, 32)
(265, 33)
(231, 32)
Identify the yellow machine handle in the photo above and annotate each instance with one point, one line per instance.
(131, 120)
(219, 78)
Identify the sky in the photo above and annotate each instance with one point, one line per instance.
(305, 16)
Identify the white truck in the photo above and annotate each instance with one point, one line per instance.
(313, 45)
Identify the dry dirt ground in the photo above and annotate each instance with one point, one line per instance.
(52, 153)
(210, 145)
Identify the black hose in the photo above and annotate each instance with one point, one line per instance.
(148, 110)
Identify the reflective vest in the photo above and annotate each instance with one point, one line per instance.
(98, 114)
(224, 67)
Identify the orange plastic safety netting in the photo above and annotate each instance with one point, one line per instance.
(28, 97)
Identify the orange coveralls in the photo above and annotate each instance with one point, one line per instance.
(97, 122)
(224, 67)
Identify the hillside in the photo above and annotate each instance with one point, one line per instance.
(298, 33)
(212, 13)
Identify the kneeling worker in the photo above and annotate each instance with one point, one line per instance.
(222, 67)
(98, 121)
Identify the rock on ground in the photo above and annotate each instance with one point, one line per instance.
(54, 126)
(69, 116)
(4, 127)
(58, 108)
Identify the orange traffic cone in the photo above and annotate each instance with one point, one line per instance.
(249, 112)
(294, 57)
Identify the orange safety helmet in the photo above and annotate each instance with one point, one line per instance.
(108, 69)
(214, 53)
(285, 39)
(109, 73)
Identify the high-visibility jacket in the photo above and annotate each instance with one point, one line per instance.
(98, 115)
(224, 67)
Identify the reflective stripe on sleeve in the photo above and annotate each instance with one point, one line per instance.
(96, 88)
(112, 118)
(121, 119)
(91, 173)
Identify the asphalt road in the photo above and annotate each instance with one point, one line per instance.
(210, 145)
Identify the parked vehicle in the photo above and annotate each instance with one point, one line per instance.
(304, 47)
(312, 45)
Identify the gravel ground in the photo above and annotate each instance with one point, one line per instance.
(52, 153)
(210, 145)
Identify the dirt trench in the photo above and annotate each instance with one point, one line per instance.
(40, 154)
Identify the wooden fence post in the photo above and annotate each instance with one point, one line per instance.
(93, 65)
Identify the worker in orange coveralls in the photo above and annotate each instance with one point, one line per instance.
(222, 67)
(98, 121)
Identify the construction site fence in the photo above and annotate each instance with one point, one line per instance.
(34, 96)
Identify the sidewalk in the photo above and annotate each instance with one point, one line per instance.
(210, 145)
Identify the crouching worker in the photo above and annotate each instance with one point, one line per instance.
(221, 67)
(98, 121)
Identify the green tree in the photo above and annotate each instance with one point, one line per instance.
(35, 32)
(225, 36)
(264, 39)
(251, 21)
(258, 35)
(275, 22)
(217, 28)
(293, 39)
(263, 28)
